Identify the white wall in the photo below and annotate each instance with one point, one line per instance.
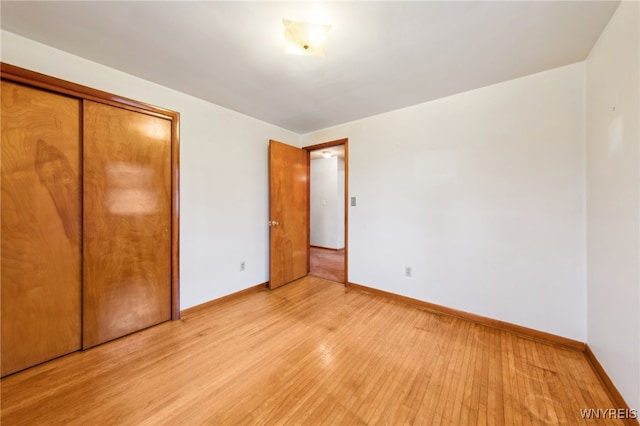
(482, 194)
(323, 202)
(327, 202)
(613, 199)
(223, 171)
(340, 204)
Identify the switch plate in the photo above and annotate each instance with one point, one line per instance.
(353, 201)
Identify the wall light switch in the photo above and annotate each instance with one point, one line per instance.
(353, 201)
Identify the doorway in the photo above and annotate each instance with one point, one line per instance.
(328, 210)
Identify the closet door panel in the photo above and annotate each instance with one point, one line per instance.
(127, 222)
(41, 226)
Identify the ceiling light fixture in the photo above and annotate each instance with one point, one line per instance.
(305, 38)
(326, 154)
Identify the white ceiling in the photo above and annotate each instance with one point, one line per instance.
(380, 56)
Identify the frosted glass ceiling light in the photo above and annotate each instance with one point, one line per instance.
(304, 38)
(326, 154)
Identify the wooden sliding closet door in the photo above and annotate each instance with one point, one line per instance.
(127, 222)
(41, 226)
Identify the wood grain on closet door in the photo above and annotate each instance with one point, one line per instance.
(127, 222)
(41, 226)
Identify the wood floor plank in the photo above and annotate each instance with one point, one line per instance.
(311, 352)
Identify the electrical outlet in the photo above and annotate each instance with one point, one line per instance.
(242, 266)
(407, 271)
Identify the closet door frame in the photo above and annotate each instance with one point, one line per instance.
(31, 78)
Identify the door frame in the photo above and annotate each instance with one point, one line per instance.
(34, 79)
(337, 142)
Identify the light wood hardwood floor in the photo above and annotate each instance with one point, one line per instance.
(310, 352)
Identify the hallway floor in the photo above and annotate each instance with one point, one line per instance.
(327, 264)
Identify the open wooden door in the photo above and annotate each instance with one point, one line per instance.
(288, 213)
